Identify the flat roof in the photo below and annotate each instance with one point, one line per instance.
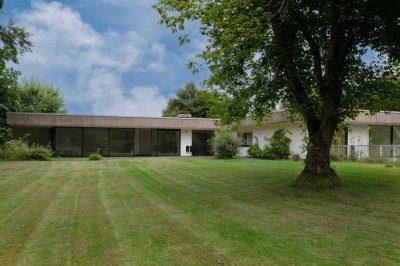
(380, 118)
(65, 120)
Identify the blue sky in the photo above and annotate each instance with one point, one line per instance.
(108, 57)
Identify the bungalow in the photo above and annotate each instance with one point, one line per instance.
(80, 135)
(364, 136)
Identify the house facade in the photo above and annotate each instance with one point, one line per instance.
(81, 135)
(365, 136)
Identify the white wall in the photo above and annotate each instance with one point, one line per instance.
(186, 140)
(242, 151)
(265, 132)
(358, 135)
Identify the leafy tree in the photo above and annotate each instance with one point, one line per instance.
(199, 103)
(14, 42)
(306, 55)
(391, 101)
(38, 98)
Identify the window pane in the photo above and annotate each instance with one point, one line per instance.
(143, 142)
(95, 139)
(122, 142)
(40, 136)
(201, 143)
(380, 135)
(168, 142)
(69, 141)
(249, 139)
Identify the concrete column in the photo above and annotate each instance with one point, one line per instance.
(186, 140)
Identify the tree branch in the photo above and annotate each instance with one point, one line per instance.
(314, 47)
(287, 60)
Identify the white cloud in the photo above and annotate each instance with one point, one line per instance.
(108, 97)
(89, 65)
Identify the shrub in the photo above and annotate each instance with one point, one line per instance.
(278, 147)
(95, 157)
(254, 151)
(19, 150)
(392, 164)
(225, 143)
(375, 159)
(268, 153)
(39, 153)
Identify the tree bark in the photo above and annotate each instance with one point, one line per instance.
(317, 173)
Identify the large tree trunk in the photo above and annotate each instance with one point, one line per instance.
(317, 172)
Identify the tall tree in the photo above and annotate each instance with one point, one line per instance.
(14, 42)
(38, 98)
(199, 103)
(304, 54)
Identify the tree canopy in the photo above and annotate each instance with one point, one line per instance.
(306, 55)
(38, 98)
(14, 42)
(197, 102)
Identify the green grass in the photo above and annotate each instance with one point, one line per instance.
(152, 211)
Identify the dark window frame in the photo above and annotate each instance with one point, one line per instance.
(158, 141)
(121, 129)
(244, 137)
(55, 142)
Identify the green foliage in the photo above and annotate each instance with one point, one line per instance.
(374, 159)
(387, 101)
(14, 42)
(263, 53)
(254, 151)
(38, 98)
(306, 55)
(19, 150)
(95, 156)
(199, 103)
(278, 147)
(392, 164)
(225, 143)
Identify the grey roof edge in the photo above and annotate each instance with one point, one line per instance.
(114, 116)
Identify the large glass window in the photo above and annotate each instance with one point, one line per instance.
(380, 135)
(122, 142)
(35, 135)
(95, 140)
(143, 142)
(168, 142)
(201, 143)
(69, 141)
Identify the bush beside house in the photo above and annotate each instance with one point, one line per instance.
(19, 150)
(225, 143)
(278, 147)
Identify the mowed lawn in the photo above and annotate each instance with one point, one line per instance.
(195, 211)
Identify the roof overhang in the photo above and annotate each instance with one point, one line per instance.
(62, 120)
(283, 117)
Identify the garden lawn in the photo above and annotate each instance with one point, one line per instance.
(195, 211)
